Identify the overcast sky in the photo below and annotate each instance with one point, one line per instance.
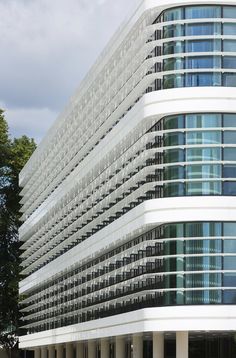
(47, 47)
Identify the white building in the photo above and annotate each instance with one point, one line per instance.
(129, 208)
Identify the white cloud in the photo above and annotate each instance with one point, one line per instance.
(47, 46)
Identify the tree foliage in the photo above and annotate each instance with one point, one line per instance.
(13, 156)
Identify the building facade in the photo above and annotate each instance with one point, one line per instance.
(128, 204)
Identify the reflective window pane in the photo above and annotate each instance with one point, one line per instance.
(229, 29)
(209, 137)
(173, 14)
(203, 188)
(229, 188)
(229, 296)
(229, 246)
(229, 62)
(229, 79)
(229, 120)
(174, 172)
(173, 64)
(229, 279)
(198, 12)
(229, 45)
(173, 122)
(203, 62)
(200, 29)
(203, 171)
(174, 155)
(204, 120)
(229, 262)
(203, 45)
(173, 47)
(203, 79)
(229, 137)
(229, 12)
(203, 154)
(173, 31)
(173, 139)
(173, 81)
(173, 189)
(229, 171)
(229, 229)
(230, 154)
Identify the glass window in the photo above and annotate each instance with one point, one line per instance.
(202, 263)
(229, 12)
(173, 189)
(230, 246)
(173, 31)
(203, 188)
(204, 120)
(173, 47)
(229, 62)
(200, 29)
(202, 246)
(173, 81)
(203, 62)
(229, 171)
(229, 79)
(203, 154)
(173, 64)
(203, 79)
(229, 296)
(229, 120)
(173, 14)
(174, 122)
(172, 139)
(229, 45)
(203, 171)
(203, 45)
(229, 262)
(229, 137)
(229, 280)
(229, 29)
(229, 188)
(230, 154)
(174, 155)
(175, 172)
(209, 137)
(229, 229)
(173, 230)
(198, 12)
(202, 229)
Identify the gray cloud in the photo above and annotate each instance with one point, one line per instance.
(47, 46)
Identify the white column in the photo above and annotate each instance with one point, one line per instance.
(105, 348)
(120, 347)
(137, 346)
(44, 352)
(181, 344)
(158, 345)
(69, 350)
(37, 353)
(60, 350)
(51, 352)
(79, 350)
(91, 349)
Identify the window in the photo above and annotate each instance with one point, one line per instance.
(230, 247)
(229, 188)
(203, 154)
(173, 189)
(229, 120)
(173, 64)
(209, 137)
(229, 171)
(203, 62)
(229, 45)
(229, 12)
(204, 120)
(230, 263)
(203, 79)
(229, 229)
(229, 79)
(173, 81)
(174, 155)
(203, 188)
(229, 62)
(174, 139)
(175, 172)
(173, 47)
(198, 12)
(229, 137)
(230, 154)
(174, 122)
(173, 31)
(203, 171)
(173, 14)
(229, 29)
(203, 45)
(200, 29)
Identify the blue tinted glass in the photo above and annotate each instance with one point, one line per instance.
(203, 188)
(229, 79)
(209, 137)
(173, 64)
(173, 31)
(229, 29)
(204, 120)
(229, 188)
(173, 122)
(203, 79)
(229, 62)
(229, 296)
(171, 139)
(173, 14)
(229, 12)
(202, 29)
(229, 280)
(174, 155)
(229, 137)
(203, 45)
(203, 62)
(203, 171)
(230, 154)
(229, 229)
(229, 246)
(202, 229)
(229, 120)
(229, 45)
(173, 47)
(198, 12)
(173, 81)
(174, 172)
(229, 262)
(229, 171)
(203, 154)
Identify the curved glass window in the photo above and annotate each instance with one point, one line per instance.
(229, 45)
(202, 79)
(203, 62)
(172, 47)
(203, 171)
(173, 31)
(174, 122)
(174, 155)
(173, 64)
(229, 120)
(229, 79)
(230, 154)
(174, 139)
(200, 29)
(173, 81)
(174, 172)
(203, 45)
(203, 120)
(229, 137)
(230, 247)
(229, 229)
(229, 171)
(229, 188)
(202, 12)
(174, 189)
(229, 12)
(229, 62)
(203, 188)
(201, 137)
(203, 154)
(173, 14)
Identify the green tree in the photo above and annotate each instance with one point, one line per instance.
(13, 156)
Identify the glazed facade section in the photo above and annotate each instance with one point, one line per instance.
(175, 264)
